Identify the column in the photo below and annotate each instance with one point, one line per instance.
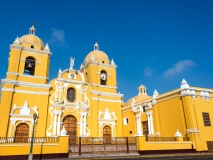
(151, 122)
(54, 123)
(137, 124)
(12, 128)
(59, 123)
(81, 125)
(139, 129)
(84, 132)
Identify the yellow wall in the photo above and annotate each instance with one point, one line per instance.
(38, 148)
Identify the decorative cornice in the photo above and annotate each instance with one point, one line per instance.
(104, 86)
(191, 91)
(106, 93)
(24, 91)
(92, 62)
(105, 100)
(192, 130)
(29, 76)
(15, 46)
(70, 81)
(24, 59)
(28, 84)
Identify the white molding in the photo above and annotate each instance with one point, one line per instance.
(186, 93)
(125, 119)
(104, 86)
(192, 130)
(70, 81)
(24, 91)
(45, 52)
(24, 75)
(28, 84)
(106, 93)
(107, 74)
(105, 100)
(94, 63)
(24, 60)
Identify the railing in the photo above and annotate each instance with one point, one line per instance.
(102, 145)
(154, 139)
(28, 140)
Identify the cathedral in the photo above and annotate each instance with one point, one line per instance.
(85, 102)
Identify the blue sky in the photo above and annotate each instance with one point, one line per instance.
(155, 43)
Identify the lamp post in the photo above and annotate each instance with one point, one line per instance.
(31, 144)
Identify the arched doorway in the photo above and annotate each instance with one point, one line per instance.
(22, 133)
(107, 134)
(71, 128)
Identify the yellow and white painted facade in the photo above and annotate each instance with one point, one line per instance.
(89, 95)
(178, 112)
(96, 103)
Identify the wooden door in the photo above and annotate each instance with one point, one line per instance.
(107, 134)
(210, 146)
(71, 128)
(22, 133)
(145, 128)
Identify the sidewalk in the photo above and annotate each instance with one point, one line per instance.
(136, 156)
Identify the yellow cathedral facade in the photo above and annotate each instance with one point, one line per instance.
(85, 103)
(86, 100)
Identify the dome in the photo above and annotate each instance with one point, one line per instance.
(97, 55)
(138, 98)
(32, 39)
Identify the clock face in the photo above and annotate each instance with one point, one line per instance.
(103, 76)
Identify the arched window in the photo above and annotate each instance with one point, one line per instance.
(71, 94)
(29, 67)
(103, 77)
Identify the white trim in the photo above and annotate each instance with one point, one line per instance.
(24, 91)
(192, 130)
(125, 121)
(46, 52)
(105, 100)
(70, 81)
(24, 60)
(24, 75)
(173, 92)
(106, 93)
(28, 84)
(104, 86)
(94, 63)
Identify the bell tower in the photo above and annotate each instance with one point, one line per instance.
(105, 102)
(99, 70)
(26, 82)
(29, 59)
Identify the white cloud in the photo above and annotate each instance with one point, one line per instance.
(147, 72)
(179, 67)
(57, 37)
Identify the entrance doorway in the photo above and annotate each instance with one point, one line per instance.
(71, 128)
(22, 133)
(145, 128)
(107, 134)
